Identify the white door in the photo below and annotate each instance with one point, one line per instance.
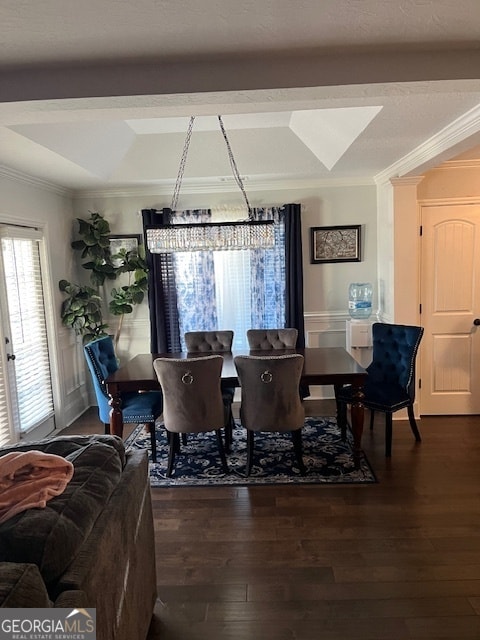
(26, 395)
(450, 297)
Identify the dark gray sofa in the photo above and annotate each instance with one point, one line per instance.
(93, 545)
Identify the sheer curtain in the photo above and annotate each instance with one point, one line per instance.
(195, 281)
(233, 293)
(268, 275)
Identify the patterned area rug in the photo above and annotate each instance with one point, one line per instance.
(327, 458)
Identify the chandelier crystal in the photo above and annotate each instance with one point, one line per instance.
(214, 236)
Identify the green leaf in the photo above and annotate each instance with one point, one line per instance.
(137, 297)
(64, 285)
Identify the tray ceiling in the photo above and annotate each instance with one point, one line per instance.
(79, 109)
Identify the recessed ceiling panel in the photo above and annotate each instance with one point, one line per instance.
(98, 147)
(328, 133)
(146, 126)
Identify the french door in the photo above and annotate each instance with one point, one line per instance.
(26, 392)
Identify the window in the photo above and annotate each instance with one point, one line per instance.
(235, 290)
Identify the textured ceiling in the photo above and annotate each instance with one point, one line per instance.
(97, 95)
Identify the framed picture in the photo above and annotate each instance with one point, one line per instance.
(129, 242)
(335, 244)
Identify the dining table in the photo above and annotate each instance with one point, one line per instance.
(322, 366)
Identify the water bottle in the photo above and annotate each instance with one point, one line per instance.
(360, 300)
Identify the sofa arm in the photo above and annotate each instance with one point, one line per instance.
(21, 585)
(73, 599)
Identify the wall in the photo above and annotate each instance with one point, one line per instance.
(325, 285)
(385, 253)
(455, 181)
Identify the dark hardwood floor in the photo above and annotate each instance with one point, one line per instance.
(399, 560)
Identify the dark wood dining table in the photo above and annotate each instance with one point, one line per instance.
(322, 366)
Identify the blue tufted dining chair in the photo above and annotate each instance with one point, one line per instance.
(137, 407)
(390, 384)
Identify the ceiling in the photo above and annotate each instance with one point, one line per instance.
(98, 95)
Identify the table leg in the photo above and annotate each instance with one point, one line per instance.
(116, 415)
(341, 412)
(357, 414)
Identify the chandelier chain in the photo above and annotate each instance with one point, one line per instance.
(233, 164)
(183, 160)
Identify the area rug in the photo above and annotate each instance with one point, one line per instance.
(327, 458)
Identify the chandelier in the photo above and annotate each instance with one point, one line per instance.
(210, 236)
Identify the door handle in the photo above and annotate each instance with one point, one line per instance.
(11, 356)
(476, 322)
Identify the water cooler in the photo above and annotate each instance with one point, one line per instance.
(359, 327)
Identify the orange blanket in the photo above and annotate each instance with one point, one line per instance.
(29, 479)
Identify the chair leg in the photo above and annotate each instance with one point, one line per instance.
(229, 431)
(388, 434)
(342, 419)
(174, 441)
(250, 443)
(221, 451)
(297, 447)
(413, 424)
(153, 440)
(107, 428)
(228, 437)
(372, 418)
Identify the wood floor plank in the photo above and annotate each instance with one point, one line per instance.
(397, 560)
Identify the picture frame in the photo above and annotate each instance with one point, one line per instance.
(128, 241)
(339, 243)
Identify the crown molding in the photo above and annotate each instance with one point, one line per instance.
(217, 185)
(192, 186)
(448, 165)
(25, 178)
(407, 181)
(452, 134)
(435, 202)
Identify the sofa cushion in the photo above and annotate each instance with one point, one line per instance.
(64, 445)
(21, 585)
(51, 537)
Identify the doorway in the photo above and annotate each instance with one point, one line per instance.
(26, 388)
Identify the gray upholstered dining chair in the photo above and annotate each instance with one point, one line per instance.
(270, 399)
(218, 342)
(268, 339)
(199, 341)
(192, 400)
